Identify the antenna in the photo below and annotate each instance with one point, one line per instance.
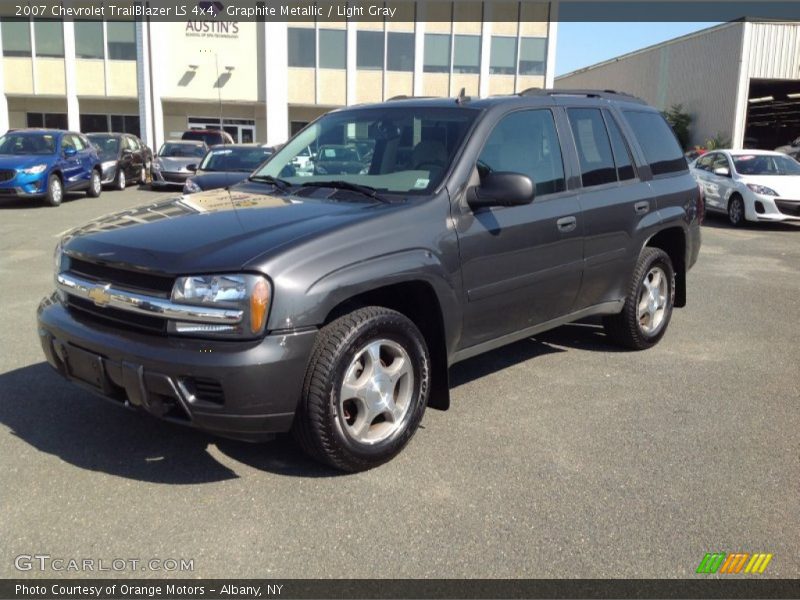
(462, 96)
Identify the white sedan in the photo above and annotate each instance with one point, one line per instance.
(752, 185)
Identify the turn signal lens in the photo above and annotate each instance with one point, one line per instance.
(259, 301)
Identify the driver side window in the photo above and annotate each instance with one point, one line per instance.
(526, 142)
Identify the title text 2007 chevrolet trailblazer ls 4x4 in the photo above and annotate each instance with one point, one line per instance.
(331, 300)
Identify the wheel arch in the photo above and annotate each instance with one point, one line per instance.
(672, 240)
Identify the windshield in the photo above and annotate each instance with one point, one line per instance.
(174, 150)
(107, 145)
(765, 164)
(244, 160)
(28, 143)
(391, 149)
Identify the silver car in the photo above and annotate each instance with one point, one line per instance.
(171, 165)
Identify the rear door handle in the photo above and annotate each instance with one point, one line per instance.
(567, 224)
(642, 208)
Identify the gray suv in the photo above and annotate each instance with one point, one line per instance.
(331, 304)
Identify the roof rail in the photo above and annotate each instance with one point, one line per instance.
(404, 97)
(607, 94)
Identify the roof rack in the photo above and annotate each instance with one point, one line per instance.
(404, 97)
(607, 94)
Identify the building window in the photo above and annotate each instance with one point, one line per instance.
(437, 53)
(467, 54)
(532, 56)
(49, 120)
(302, 47)
(121, 40)
(125, 124)
(504, 56)
(49, 36)
(16, 37)
(89, 39)
(369, 51)
(332, 49)
(94, 123)
(400, 51)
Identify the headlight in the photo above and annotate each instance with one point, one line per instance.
(190, 187)
(762, 189)
(249, 293)
(35, 170)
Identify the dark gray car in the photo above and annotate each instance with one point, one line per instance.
(333, 305)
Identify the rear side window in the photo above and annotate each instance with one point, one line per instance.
(526, 142)
(594, 147)
(622, 156)
(658, 142)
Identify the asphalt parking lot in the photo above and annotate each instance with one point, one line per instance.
(560, 456)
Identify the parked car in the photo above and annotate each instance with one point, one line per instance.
(750, 185)
(333, 305)
(338, 160)
(211, 137)
(171, 164)
(125, 158)
(46, 163)
(792, 149)
(223, 166)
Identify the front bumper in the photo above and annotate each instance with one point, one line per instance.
(32, 186)
(170, 179)
(241, 390)
(772, 209)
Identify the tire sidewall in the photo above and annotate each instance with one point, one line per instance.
(121, 181)
(738, 200)
(51, 199)
(406, 335)
(662, 261)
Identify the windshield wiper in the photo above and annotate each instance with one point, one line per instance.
(339, 184)
(279, 183)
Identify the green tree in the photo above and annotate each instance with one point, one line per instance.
(680, 121)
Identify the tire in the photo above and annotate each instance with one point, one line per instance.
(736, 211)
(95, 185)
(55, 191)
(384, 410)
(641, 327)
(119, 180)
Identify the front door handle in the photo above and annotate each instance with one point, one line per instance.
(567, 224)
(642, 208)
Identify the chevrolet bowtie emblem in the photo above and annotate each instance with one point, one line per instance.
(100, 295)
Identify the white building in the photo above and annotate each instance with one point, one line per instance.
(740, 80)
(262, 81)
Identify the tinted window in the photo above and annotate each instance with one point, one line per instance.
(622, 156)
(594, 147)
(658, 142)
(765, 164)
(89, 39)
(467, 54)
(503, 59)
(16, 37)
(121, 40)
(302, 47)
(181, 150)
(399, 51)
(437, 53)
(243, 160)
(27, 143)
(49, 37)
(107, 145)
(526, 142)
(332, 49)
(369, 51)
(532, 56)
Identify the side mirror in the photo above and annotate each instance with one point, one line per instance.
(69, 151)
(501, 189)
(722, 171)
(192, 168)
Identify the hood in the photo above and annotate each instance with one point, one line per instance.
(177, 163)
(216, 179)
(213, 231)
(787, 186)
(23, 161)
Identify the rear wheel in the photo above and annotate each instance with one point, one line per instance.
(736, 211)
(365, 390)
(55, 191)
(95, 185)
(648, 305)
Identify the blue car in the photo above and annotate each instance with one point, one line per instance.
(46, 163)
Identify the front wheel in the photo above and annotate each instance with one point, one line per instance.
(365, 390)
(95, 185)
(55, 191)
(648, 304)
(119, 181)
(736, 211)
